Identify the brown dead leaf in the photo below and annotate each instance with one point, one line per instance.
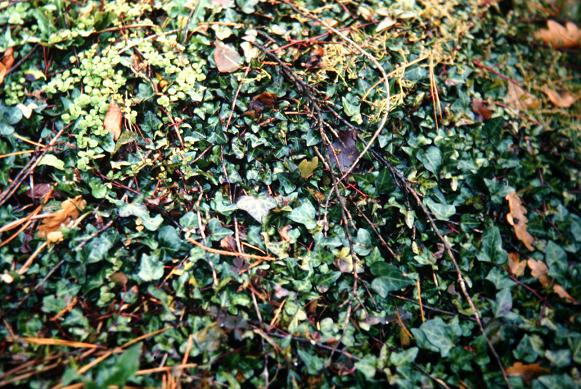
(517, 219)
(228, 243)
(119, 278)
(481, 108)
(559, 36)
(38, 191)
(515, 265)
(6, 63)
(8, 59)
(283, 232)
(561, 292)
(261, 102)
(226, 57)
(527, 372)
(540, 271)
(113, 120)
(69, 212)
(561, 100)
(520, 99)
(315, 59)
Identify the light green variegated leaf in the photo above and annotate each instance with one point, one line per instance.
(151, 268)
(257, 207)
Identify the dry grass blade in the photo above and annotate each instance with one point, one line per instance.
(103, 357)
(166, 369)
(230, 253)
(56, 342)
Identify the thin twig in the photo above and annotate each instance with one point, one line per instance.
(230, 253)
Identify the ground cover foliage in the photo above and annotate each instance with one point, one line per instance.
(224, 193)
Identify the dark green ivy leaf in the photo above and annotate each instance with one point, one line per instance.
(492, 250)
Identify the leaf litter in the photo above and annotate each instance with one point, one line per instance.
(231, 187)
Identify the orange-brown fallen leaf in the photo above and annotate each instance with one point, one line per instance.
(559, 36)
(527, 372)
(228, 243)
(260, 103)
(113, 120)
(6, 63)
(481, 108)
(517, 219)
(69, 212)
(540, 271)
(515, 265)
(561, 100)
(561, 292)
(227, 58)
(519, 99)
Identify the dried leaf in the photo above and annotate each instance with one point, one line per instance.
(228, 243)
(561, 100)
(316, 58)
(480, 107)
(6, 63)
(540, 271)
(515, 265)
(38, 191)
(260, 102)
(226, 57)
(561, 292)
(307, 168)
(119, 278)
(344, 150)
(283, 232)
(69, 212)
(519, 99)
(518, 220)
(55, 237)
(113, 120)
(8, 58)
(559, 36)
(386, 24)
(527, 372)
